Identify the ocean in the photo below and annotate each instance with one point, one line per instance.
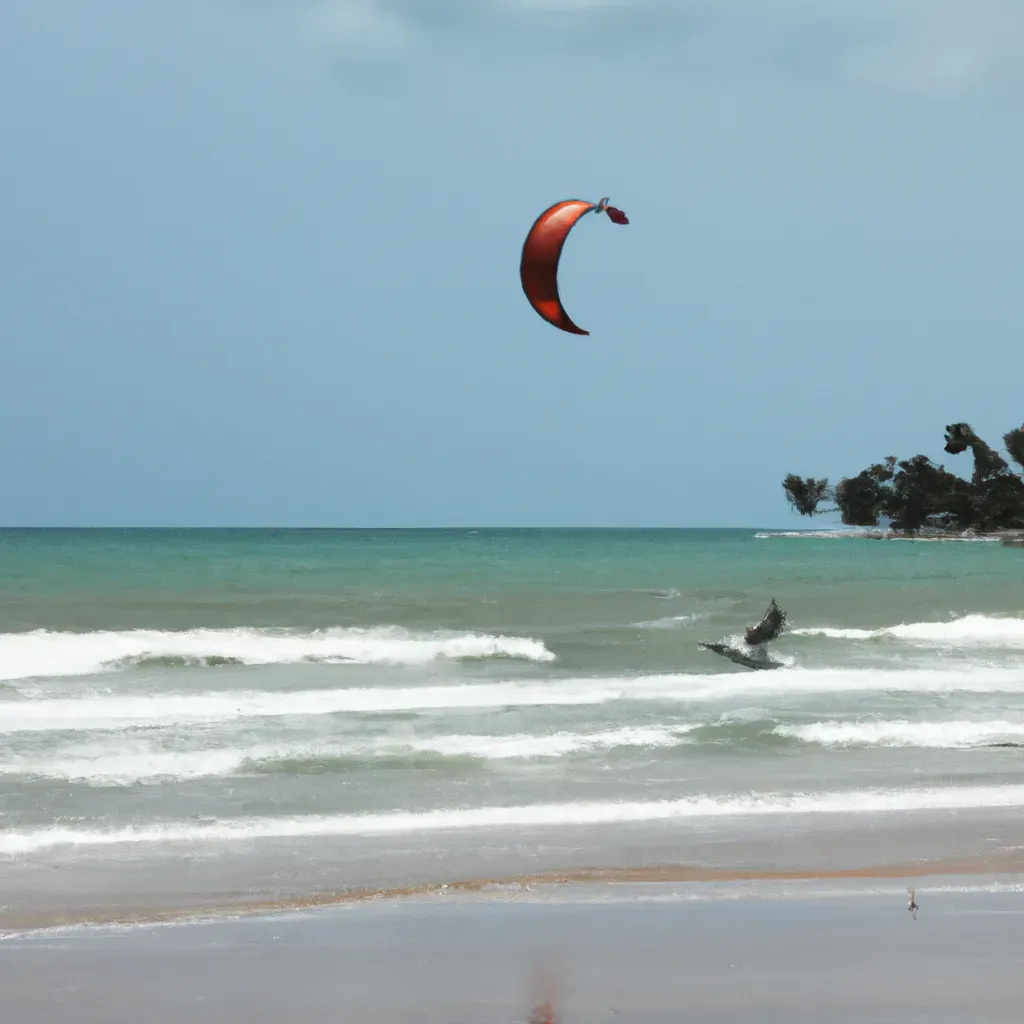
(197, 719)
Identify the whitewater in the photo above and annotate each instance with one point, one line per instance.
(531, 700)
(45, 653)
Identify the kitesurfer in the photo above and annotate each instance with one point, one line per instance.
(772, 623)
(755, 637)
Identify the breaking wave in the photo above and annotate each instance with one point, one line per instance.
(948, 735)
(99, 765)
(121, 711)
(44, 653)
(13, 842)
(968, 631)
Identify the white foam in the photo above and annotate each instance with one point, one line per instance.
(141, 762)
(879, 533)
(536, 815)
(668, 622)
(968, 631)
(124, 767)
(901, 733)
(45, 653)
(120, 711)
(102, 712)
(558, 744)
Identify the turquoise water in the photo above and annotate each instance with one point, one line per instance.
(220, 689)
(565, 584)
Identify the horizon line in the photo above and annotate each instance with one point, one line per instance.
(469, 526)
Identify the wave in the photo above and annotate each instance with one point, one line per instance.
(98, 765)
(968, 631)
(13, 843)
(121, 711)
(45, 653)
(559, 744)
(131, 760)
(946, 735)
(669, 621)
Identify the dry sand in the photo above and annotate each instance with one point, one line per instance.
(836, 951)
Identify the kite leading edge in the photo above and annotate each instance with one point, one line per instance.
(538, 268)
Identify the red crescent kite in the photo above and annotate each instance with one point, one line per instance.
(538, 268)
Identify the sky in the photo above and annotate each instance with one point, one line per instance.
(259, 258)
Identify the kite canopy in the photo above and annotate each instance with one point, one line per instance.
(538, 268)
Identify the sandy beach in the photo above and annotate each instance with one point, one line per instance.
(393, 788)
(821, 951)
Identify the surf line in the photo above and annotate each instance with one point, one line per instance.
(25, 921)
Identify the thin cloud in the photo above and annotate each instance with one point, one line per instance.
(928, 48)
(359, 29)
(941, 49)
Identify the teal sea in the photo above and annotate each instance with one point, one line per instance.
(211, 715)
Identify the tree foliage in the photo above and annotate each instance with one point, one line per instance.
(915, 494)
(805, 494)
(1014, 442)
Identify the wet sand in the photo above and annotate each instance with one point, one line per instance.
(129, 884)
(1006, 868)
(659, 953)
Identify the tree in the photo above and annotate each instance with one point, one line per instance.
(1014, 442)
(915, 494)
(867, 496)
(806, 494)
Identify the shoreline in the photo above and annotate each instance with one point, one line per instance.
(1006, 538)
(1010, 862)
(845, 955)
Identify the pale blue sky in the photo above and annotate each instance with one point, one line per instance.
(259, 258)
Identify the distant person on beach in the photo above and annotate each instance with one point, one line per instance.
(912, 905)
